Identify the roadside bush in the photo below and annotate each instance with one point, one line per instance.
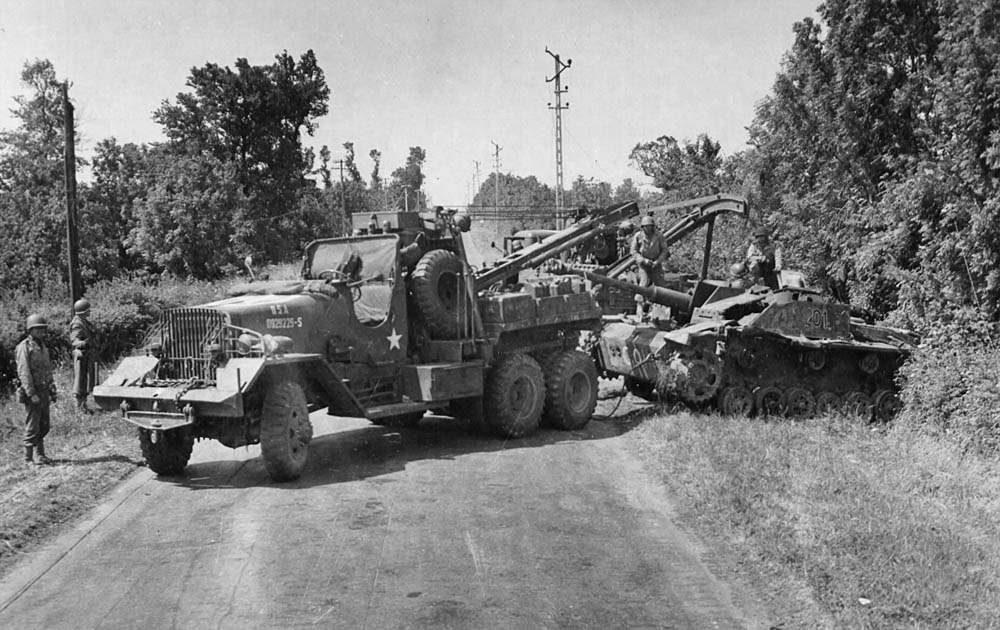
(952, 386)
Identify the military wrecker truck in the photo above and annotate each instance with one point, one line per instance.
(385, 325)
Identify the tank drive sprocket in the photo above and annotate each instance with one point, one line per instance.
(694, 376)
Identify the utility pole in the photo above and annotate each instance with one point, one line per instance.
(496, 181)
(343, 203)
(558, 107)
(72, 238)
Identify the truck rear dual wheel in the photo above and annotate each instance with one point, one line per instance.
(169, 453)
(570, 390)
(515, 396)
(285, 431)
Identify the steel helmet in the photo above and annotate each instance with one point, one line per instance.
(82, 306)
(36, 321)
(647, 220)
(762, 231)
(738, 269)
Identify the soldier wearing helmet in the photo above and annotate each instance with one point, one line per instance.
(649, 251)
(764, 259)
(83, 340)
(738, 276)
(37, 389)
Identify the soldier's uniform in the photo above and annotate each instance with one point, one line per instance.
(649, 250)
(83, 339)
(764, 260)
(34, 369)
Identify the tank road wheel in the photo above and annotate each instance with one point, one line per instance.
(570, 390)
(858, 403)
(886, 404)
(169, 454)
(800, 402)
(769, 401)
(439, 290)
(827, 402)
(816, 360)
(736, 400)
(515, 396)
(641, 389)
(405, 421)
(285, 431)
(869, 363)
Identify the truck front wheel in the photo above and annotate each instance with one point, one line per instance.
(285, 431)
(169, 453)
(570, 390)
(515, 395)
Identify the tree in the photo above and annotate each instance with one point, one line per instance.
(590, 193)
(691, 170)
(408, 179)
(626, 191)
(376, 180)
(32, 185)
(121, 177)
(849, 116)
(184, 225)
(253, 118)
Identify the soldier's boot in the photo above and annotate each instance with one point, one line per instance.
(29, 458)
(81, 405)
(42, 459)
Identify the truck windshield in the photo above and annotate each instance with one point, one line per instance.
(368, 263)
(361, 258)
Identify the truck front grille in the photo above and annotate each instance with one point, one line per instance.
(185, 336)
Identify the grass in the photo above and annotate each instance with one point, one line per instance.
(92, 454)
(886, 528)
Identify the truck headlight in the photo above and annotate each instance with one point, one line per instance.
(275, 345)
(245, 343)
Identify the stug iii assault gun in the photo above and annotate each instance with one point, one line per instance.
(385, 326)
(746, 349)
(753, 350)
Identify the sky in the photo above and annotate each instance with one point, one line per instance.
(456, 78)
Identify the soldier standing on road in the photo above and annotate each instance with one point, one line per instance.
(83, 339)
(38, 390)
(764, 259)
(649, 250)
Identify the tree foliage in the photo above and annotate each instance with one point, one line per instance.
(876, 154)
(32, 185)
(253, 117)
(691, 170)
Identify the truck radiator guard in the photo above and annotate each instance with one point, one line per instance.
(193, 342)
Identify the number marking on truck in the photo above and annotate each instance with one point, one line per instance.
(283, 322)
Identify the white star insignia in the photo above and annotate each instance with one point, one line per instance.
(394, 340)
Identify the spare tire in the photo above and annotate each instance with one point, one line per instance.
(438, 285)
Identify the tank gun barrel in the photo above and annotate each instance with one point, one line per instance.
(657, 295)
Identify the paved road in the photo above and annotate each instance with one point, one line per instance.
(418, 528)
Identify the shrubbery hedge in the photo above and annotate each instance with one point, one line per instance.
(951, 385)
(122, 311)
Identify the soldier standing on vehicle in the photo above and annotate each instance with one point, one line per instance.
(37, 390)
(764, 259)
(83, 340)
(649, 250)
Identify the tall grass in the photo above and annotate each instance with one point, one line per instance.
(888, 528)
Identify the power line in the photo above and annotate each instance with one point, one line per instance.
(558, 107)
(496, 180)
